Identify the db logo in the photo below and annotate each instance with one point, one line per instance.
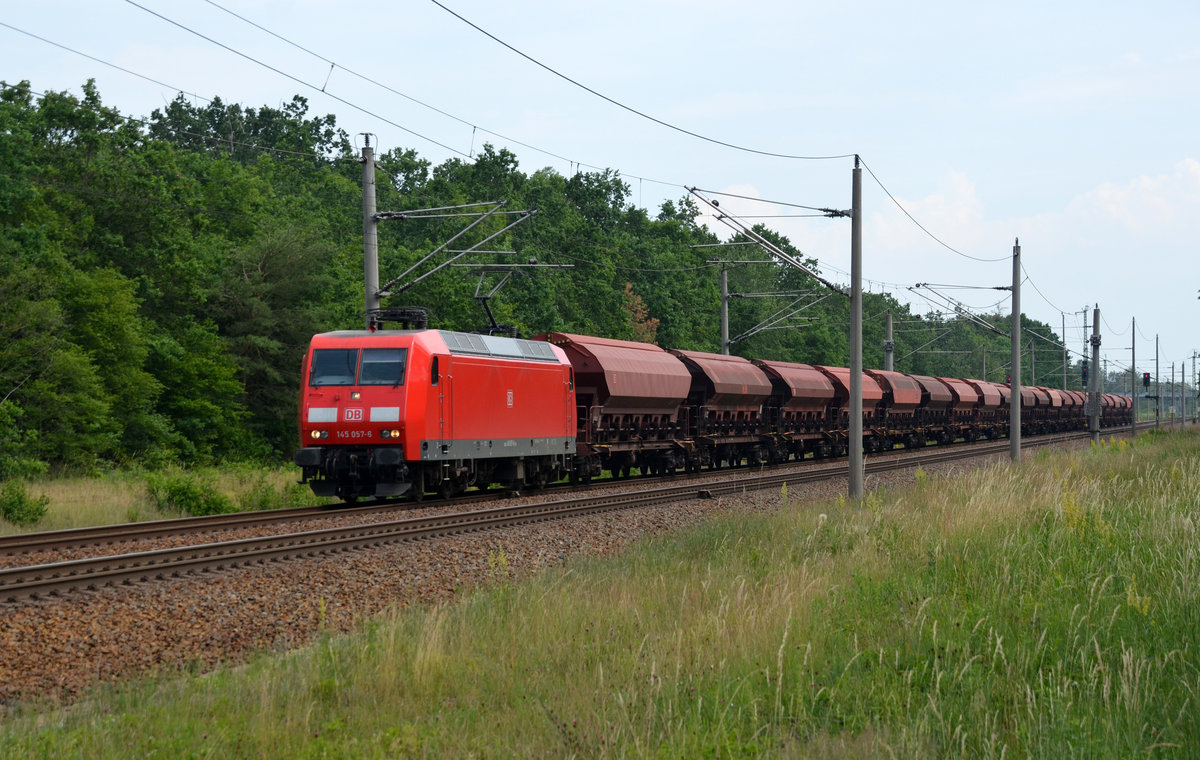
(510, 399)
(354, 415)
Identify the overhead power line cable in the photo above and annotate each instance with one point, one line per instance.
(913, 219)
(298, 80)
(1110, 327)
(103, 62)
(474, 127)
(630, 109)
(824, 211)
(1029, 279)
(381, 85)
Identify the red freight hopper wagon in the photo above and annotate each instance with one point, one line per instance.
(628, 395)
(727, 393)
(992, 420)
(872, 398)
(1126, 413)
(1029, 400)
(962, 410)
(937, 400)
(800, 392)
(1057, 411)
(1077, 411)
(1043, 409)
(429, 410)
(872, 393)
(901, 396)
(1005, 392)
(725, 409)
(798, 409)
(966, 399)
(1109, 404)
(934, 420)
(1029, 403)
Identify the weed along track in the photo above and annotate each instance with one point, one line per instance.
(72, 623)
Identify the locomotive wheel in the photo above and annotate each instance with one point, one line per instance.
(418, 485)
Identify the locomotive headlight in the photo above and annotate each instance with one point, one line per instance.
(315, 434)
(355, 395)
(390, 433)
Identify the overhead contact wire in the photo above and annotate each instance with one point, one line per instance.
(630, 109)
(936, 239)
(297, 79)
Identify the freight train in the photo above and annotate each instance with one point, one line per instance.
(392, 412)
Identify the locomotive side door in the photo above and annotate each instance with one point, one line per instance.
(446, 408)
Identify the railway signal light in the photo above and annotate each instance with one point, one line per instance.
(1145, 379)
(1085, 371)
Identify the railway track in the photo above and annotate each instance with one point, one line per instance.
(60, 578)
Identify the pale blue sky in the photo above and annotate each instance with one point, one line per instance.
(1070, 125)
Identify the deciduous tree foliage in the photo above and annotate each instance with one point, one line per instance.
(160, 277)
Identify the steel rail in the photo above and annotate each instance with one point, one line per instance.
(99, 535)
(60, 578)
(108, 535)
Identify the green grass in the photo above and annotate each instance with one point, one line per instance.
(132, 496)
(1045, 611)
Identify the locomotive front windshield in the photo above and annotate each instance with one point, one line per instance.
(342, 366)
(382, 366)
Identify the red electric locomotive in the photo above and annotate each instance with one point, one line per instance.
(386, 412)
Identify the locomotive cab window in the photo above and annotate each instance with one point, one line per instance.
(382, 366)
(333, 366)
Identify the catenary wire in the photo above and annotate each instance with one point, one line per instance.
(1029, 279)
(433, 108)
(1115, 333)
(298, 80)
(381, 85)
(103, 62)
(630, 109)
(938, 240)
(759, 200)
